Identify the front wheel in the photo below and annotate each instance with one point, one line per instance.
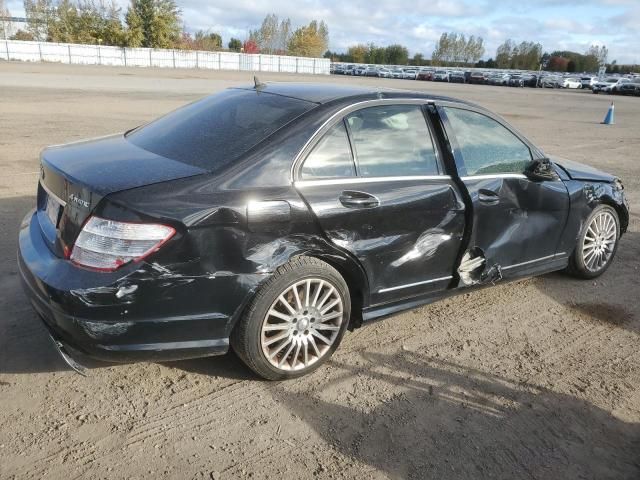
(295, 322)
(597, 243)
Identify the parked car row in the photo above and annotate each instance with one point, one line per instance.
(614, 85)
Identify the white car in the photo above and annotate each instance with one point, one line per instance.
(610, 85)
(588, 82)
(409, 74)
(384, 72)
(360, 70)
(441, 76)
(572, 83)
(397, 73)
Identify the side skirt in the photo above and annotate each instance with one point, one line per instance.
(380, 312)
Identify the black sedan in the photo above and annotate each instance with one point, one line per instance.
(273, 218)
(630, 88)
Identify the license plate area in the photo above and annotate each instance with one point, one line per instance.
(52, 210)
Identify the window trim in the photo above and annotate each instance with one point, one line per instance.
(340, 115)
(345, 127)
(460, 165)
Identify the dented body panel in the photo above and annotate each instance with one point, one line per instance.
(426, 237)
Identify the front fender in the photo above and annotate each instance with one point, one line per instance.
(584, 197)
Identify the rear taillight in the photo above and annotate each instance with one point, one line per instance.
(107, 245)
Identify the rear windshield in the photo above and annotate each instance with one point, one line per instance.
(213, 132)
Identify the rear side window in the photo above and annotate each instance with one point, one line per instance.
(215, 131)
(331, 157)
(487, 147)
(392, 140)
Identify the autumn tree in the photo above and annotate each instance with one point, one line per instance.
(250, 46)
(209, 41)
(601, 53)
(456, 49)
(523, 56)
(310, 41)
(5, 26)
(22, 35)
(358, 53)
(40, 15)
(273, 35)
(153, 23)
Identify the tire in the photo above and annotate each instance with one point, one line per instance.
(584, 261)
(279, 342)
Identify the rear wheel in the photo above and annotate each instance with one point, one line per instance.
(597, 243)
(295, 322)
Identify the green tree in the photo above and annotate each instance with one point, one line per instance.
(66, 23)
(310, 41)
(135, 30)
(235, 45)
(397, 54)
(418, 60)
(153, 23)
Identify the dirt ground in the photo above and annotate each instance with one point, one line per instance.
(538, 379)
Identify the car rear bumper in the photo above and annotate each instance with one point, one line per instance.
(106, 331)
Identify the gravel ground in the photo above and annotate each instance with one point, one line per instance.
(534, 379)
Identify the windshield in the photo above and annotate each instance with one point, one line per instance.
(213, 132)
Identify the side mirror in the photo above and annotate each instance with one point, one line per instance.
(540, 170)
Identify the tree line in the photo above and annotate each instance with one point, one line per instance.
(157, 24)
(455, 50)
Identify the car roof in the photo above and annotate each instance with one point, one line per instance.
(321, 93)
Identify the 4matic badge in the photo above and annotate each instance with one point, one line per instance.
(78, 201)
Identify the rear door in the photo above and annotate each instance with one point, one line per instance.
(517, 222)
(374, 181)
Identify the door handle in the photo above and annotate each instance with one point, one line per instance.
(488, 196)
(353, 199)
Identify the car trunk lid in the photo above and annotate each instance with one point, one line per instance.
(74, 179)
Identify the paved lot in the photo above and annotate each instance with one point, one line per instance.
(536, 379)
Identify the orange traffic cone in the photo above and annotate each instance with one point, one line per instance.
(609, 118)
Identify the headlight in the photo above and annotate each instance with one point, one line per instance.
(617, 184)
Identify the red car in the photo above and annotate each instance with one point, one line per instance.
(424, 75)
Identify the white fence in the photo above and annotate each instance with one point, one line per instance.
(153, 57)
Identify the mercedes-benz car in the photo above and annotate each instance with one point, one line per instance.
(273, 218)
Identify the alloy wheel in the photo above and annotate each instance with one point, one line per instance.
(302, 324)
(599, 241)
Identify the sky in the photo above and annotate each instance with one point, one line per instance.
(556, 24)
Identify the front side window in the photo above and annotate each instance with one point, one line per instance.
(392, 140)
(331, 157)
(487, 147)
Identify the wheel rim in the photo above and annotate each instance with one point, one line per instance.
(599, 241)
(302, 324)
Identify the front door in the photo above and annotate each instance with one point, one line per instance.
(375, 184)
(517, 222)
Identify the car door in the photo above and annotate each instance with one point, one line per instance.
(374, 181)
(517, 221)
